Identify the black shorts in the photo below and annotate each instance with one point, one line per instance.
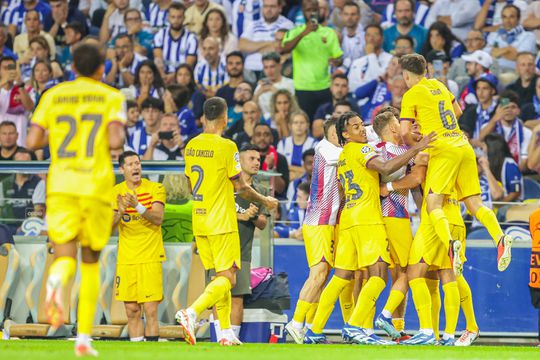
(535, 297)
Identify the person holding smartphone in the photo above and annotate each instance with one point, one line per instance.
(438, 66)
(167, 143)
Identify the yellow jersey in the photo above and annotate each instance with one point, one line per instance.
(139, 240)
(77, 114)
(452, 209)
(360, 185)
(429, 103)
(211, 163)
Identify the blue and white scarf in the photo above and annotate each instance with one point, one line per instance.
(483, 116)
(514, 138)
(511, 35)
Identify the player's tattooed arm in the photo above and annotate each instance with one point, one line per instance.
(388, 167)
(247, 192)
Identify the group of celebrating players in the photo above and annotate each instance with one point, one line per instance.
(357, 221)
(347, 226)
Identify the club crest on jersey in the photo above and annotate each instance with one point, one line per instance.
(126, 218)
(365, 149)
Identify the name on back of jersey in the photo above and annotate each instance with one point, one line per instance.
(200, 153)
(74, 99)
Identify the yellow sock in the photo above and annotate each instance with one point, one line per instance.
(394, 299)
(433, 286)
(223, 310)
(64, 268)
(346, 301)
(311, 313)
(451, 306)
(399, 324)
(441, 226)
(213, 292)
(489, 220)
(368, 322)
(302, 308)
(422, 301)
(88, 296)
(327, 300)
(366, 300)
(465, 296)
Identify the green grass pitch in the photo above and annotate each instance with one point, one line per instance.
(120, 350)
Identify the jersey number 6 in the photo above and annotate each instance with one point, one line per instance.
(447, 117)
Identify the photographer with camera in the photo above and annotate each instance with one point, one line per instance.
(167, 143)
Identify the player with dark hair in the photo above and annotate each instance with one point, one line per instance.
(84, 119)
(214, 172)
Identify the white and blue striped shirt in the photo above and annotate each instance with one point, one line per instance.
(292, 152)
(157, 17)
(175, 51)
(242, 19)
(7, 8)
(208, 77)
(260, 30)
(137, 60)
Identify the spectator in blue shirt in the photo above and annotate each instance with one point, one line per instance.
(4, 50)
(298, 211)
(292, 190)
(404, 12)
(176, 100)
(504, 168)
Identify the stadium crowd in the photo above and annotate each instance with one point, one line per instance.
(283, 67)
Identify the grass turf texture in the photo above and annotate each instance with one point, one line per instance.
(119, 350)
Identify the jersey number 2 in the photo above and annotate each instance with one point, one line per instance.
(447, 117)
(200, 171)
(72, 123)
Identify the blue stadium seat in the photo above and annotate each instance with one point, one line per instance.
(478, 234)
(532, 189)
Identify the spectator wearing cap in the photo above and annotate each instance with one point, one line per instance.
(15, 17)
(530, 112)
(432, 58)
(405, 25)
(372, 65)
(33, 26)
(524, 86)
(151, 111)
(440, 38)
(477, 65)
(313, 47)
(339, 90)
(271, 83)
(531, 19)
(507, 123)
(475, 116)
(196, 13)
(124, 61)
(511, 39)
(458, 71)
(458, 15)
(210, 70)
(61, 15)
(353, 39)
(259, 36)
(489, 18)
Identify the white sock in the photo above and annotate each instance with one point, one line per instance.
(369, 331)
(83, 339)
(217, 328)
(192, 314)
(137, 339)
(297, 325)
(236, 330)
(427, 331)
(446, 336)
(309, 326)
(387, 314)
(227, 334)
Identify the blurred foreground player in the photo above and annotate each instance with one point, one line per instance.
(82, 120)
(213, 168)
(534, 282)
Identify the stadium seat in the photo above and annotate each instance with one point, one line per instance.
(112, 311)
(531, 189)
(9, 268)
(40, 261)
(521, 212)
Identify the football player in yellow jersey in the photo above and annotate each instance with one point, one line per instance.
(82, 120)
(452, 160)
(213, 169)
(362, 238)
(138, 213)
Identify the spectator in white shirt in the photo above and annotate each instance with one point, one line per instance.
(372, 65)
(510, 39)
(458, 15)
(244, 13)
(259, 37)
(113, 20)
(210, 71)
(531, 19)
(489, 19)
(352, 36)
(271, 83)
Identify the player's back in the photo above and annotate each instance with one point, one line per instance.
(77, 114)
(211, 163)
(429, 103)
(361, 186)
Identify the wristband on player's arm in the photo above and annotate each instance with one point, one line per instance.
(141, 209)
(389, 187)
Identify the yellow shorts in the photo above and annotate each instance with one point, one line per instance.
(400, 239)
(87, 220)
(320, 241)
(361, 246)
(453, 168)
(219, 252)
(429, 249)
(139, 282)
